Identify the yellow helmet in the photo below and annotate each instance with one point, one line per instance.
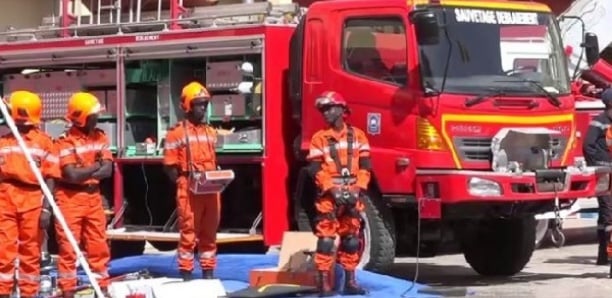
(25, 106)
(80, 106)
(191, 92)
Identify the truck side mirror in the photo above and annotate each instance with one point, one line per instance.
(426, 26)
(591, 47)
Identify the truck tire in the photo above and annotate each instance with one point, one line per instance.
(378, 232)
(499, 247)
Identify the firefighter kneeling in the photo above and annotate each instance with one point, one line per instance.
(85, 158)
(340, 163)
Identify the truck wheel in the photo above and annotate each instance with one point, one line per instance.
(499, 247)
(541, 231)
(377, 234)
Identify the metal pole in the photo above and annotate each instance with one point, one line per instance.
(45, 189)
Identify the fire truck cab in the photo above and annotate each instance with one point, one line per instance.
(462, 143)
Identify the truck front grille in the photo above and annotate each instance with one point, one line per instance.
(478, 149)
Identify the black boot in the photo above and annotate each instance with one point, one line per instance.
(602, 255)
(186, 275)
(323, 284)
(350, 284)
(208, 274)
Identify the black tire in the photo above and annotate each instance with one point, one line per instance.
(378, 231)
(499, 247)
(379, 252)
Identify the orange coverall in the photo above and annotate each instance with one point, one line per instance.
(347, 224)
(81, 205)
(198, 214)
(20, 208)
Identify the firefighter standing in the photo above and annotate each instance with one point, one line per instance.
(597, 152)
(190, 149)
(85, 159)
(23, 213)
(340, 163)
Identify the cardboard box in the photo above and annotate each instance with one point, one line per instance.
(295, 264)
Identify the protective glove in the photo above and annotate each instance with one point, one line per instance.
(45, 219)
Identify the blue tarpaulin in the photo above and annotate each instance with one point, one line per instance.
(233, 271)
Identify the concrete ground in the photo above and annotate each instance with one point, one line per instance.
(552, 272)
(565, 272)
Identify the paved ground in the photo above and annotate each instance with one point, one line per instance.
(565, 272)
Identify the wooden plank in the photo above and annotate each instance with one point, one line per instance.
(121, 234)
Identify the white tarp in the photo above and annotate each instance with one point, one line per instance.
(597, 17)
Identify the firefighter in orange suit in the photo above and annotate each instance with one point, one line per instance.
(340, 163)
(597, 151)
(85, 159)
(190, 149)
(23, 212)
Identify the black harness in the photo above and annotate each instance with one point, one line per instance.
(345, 171)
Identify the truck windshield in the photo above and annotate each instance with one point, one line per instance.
(488, 49)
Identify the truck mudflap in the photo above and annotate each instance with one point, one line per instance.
(457, 186)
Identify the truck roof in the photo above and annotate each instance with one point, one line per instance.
(88, 31)
(93, 31)
(491, 4)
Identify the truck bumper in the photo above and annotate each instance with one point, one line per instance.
(438, 187)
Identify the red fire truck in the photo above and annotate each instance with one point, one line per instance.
(461, 144)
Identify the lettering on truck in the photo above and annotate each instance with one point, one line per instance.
(94, 41)
(146, 38)
(495, 17)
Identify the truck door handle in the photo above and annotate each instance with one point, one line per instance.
(402, 161)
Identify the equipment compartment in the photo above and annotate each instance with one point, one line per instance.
(55, 85)
(223, 75)
(228, 105)
(247, 140)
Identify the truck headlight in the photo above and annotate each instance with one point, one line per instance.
(483, 187)
(603, 183)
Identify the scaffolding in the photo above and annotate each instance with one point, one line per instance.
(111, 17)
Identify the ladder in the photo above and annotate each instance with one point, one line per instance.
(78, 18)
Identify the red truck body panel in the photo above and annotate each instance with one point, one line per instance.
(398, 107)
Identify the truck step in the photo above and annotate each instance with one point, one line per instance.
(122, 234)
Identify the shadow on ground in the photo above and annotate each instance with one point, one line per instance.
(454, 281)
(461, 280)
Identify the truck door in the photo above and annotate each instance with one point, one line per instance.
(360, 49)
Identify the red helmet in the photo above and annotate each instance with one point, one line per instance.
(330, 98)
